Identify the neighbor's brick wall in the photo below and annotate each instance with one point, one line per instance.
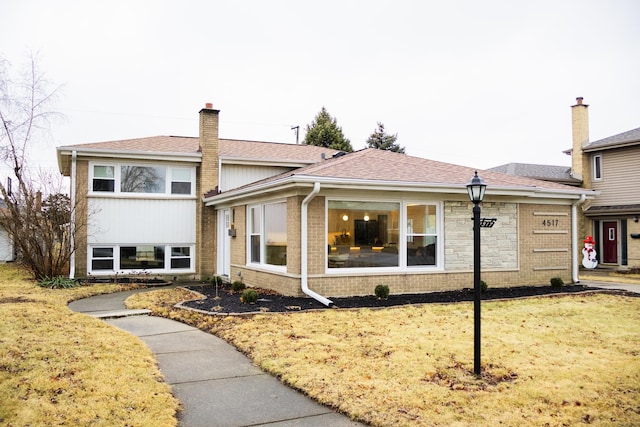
(633, 245)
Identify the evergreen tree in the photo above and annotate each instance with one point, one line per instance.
(325, 132)
(382, 141)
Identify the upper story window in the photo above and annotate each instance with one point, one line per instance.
(597, 167)
(141, 179)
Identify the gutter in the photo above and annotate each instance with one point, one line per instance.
(72, 258)
(574, 238)
(304, 276)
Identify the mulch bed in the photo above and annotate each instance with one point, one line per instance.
(227, 302)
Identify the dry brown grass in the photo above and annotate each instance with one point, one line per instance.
(546, 361)
(62, 368)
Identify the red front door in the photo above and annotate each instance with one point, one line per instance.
(610, 242)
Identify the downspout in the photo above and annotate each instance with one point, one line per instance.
(72, 248)
(574, 238)
(304, 276)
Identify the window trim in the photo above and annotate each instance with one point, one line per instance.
(116, 259)
(402, 237)
(263, 255)
(597, 167)
(169, 168)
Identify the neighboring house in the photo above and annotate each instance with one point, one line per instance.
(309, 220)
(608, 166)
(7, 249)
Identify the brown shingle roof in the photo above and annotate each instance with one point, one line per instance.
(229, 148)
(386, 166)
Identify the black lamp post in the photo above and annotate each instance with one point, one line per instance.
(476, 188)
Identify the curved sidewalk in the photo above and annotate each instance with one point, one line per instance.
(216, 384)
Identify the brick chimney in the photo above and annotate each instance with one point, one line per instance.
(580, 132)
(207, 180)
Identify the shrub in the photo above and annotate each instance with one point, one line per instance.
(483, 287)
(382, 291)
(237, 286)
(216, 280)
(249, 296)
(58, 282)
(557, 282)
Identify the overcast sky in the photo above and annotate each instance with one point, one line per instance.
(476, 83)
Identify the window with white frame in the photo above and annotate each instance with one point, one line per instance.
(422, 234)
(102, 259)
(597, 167)
(267, 224)
(127, 258)
(367, 234)
(142, 179)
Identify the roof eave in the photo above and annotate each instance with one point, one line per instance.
(371, 185)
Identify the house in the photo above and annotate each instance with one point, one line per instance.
(308, 220)
(608, 166)
(7, 250)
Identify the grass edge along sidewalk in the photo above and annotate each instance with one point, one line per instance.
(58, 367)
(562, 360)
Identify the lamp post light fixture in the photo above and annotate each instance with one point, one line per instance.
(476, 188)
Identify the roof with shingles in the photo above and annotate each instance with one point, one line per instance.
(386, 166)
(630, 137)
(544, 172)
(229, 148)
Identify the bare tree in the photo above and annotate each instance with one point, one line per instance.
(37, 214)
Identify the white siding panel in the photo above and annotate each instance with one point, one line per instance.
(234, 176)
(620, 184)
(6, 247)
(131, 221)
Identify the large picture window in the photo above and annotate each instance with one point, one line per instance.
(367, 234)
(142, 179)
(268, 234)
(363, 234)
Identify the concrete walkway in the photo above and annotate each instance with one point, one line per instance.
(216, 384)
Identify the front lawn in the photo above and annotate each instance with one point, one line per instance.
(566, 360)
(62, 368)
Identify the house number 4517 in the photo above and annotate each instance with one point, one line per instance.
(550, 222)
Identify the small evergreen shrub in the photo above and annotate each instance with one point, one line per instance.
(557, 282)
(237, 286)
(216, 280)
(249, 296)
(382, 291)
(483, 287)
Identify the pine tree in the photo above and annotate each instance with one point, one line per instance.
(382, 141)
(325, 132)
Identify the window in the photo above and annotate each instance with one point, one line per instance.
(421, 234)
(102, 259)
(103, 178)
(597, 167)
(141, 257)
(268, 234)
(363, 234)
(180, 181)
(142, 179)
(105, 260)
(180, 257)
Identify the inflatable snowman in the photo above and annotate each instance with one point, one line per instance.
(589, 253)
